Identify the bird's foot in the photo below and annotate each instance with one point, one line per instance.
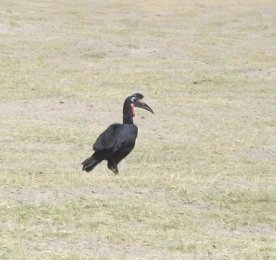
(115, 170)
(112, 165)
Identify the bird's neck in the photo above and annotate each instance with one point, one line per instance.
(127, 118)
(127, 114)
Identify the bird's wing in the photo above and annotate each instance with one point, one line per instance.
(106, 139)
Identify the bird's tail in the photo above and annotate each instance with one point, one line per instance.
(90, 163)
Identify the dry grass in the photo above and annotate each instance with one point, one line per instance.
(201, 180)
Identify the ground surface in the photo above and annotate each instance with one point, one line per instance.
(201, 180)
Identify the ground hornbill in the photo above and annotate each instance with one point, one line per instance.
(117, 141)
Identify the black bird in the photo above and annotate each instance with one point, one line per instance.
(118, 140)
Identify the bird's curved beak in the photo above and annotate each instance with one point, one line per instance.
(143, 105)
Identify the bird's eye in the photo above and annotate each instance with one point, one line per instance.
(133, 99)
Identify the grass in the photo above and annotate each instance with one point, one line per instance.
(200, 181)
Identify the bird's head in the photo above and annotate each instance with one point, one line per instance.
(135, 100)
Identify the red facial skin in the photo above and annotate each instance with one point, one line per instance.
(132, 110)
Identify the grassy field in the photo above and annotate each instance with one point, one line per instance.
(200, 183)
